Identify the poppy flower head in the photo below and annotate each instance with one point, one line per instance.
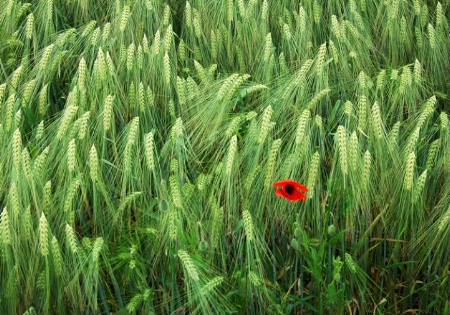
(290, 190)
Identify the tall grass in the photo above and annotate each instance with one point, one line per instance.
(141, 139)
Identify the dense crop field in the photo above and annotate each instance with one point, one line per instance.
(141, 139)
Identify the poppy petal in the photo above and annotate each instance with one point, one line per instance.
(280, 193)
(285, 182)
(296, 195)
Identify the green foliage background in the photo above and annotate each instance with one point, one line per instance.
(140, 140)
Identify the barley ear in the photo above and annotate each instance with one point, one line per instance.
(43, 235)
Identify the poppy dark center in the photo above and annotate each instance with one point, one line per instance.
(289, 189)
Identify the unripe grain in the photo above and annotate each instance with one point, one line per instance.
(316, 99)
(43, 235)
(83, 121)
(233, 126)
(5, 234)
(93, 163)
(26, 163)
(130, 56)
(362, 112)
(69, 114)
(248, 225)
(431, 36)
(301, 127)
(9, 111)
(444, 121)
(367, 169)
(29, 26)
(56, 255)
(418, 186)
(377, 122)
(342, 145)
(410, 164)
(124, 18)
(71, 156)
(107, 112)
(16, 148)
(271, 162)
(167, 71)
(313, 172)
(230, 157)
(71, 239)
(265, 125)
(148, 145)
(188, 265)
(353, 150)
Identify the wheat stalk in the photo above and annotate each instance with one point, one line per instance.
(124, 18)
(312, 173)
(57, 257)
(211, 285)
(39, 162)
(367, 169)
(5, 234)
(29, 26)
(416, 6)
(444, 121)
(177, 129)
(267, 47)
(130, 56)
(409, 171)
(317, 12)
(432, 151)
(93, 163)
(431, 36)
(166, 15)
(320, 58)
(43, 235)
(412, 141)
(26, 163)
(248, 225)
(265, 125)
(83, 123)
(230, 157)
(418, 186)
(47, 196)
(198, 32)
(316, 99)
(9, 111)
(362, 112)
(71, 239)
(167, 71)
(175, 192)
(188, 265)
(15, 78)
(254, 279)
(342, 145)
(96, 249)
(440, 17)
(377, 122)
(417, 73)
(271, 162)
(353, 150)
(16, 149)
(381, 80)
(350, 263)
(148, 146)
(70, 195)
(445, 221)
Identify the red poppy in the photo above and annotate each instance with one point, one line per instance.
(290, 189)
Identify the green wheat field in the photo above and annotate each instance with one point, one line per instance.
(141, 139)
